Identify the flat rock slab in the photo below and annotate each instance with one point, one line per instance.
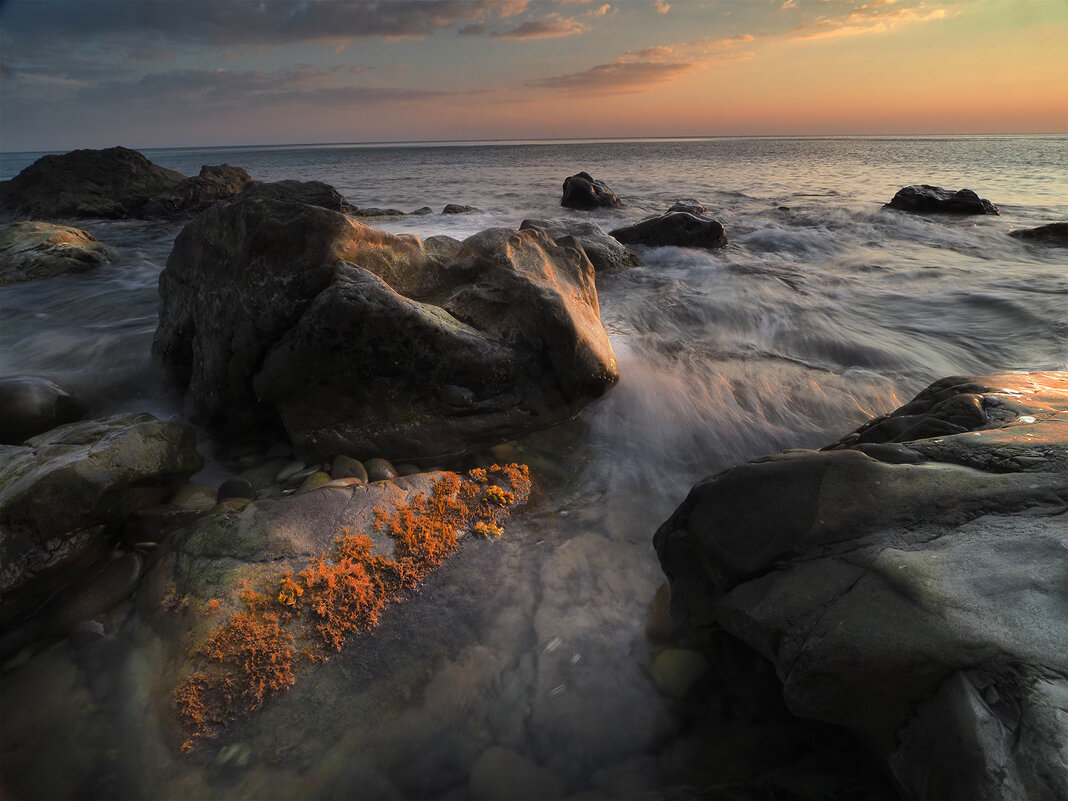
(33, 250)
(909, 582)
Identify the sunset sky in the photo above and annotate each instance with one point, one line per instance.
(221, 72)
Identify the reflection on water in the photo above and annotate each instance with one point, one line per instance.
(533, 656)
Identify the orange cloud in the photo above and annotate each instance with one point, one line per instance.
(874, 17)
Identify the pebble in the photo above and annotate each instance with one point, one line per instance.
(677, 670)
(407, 469)
(347, 467)
(289, 471)
(194, 496)
(236, 487)
(314, 481)
(380, 470)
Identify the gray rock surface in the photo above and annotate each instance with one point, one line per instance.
(63, 492)
(32, 250)
(581, 191)
(364, 342)
(605, 252)
(1054, 234)
(909, 582)
(313, 193)
(927, 199)
(193, 195)
(30, 405)
(677, 228)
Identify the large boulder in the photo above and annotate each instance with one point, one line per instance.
(927, 199)
(606, 253)
(1054, 234)
(909, 582)
(62, 493)
(312, 193)
(33, 250)
(112, 183)
(678, 228)
(363, 342)
(581, 191)
(193, 195)
(31, 405)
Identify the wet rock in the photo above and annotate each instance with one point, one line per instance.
(31, 251)
(30, 405)
(677, 670)
(690, 206)
(422, 211)
(458, 208)
(927, 199)
(581, 191)
(312, 193)
(345, 333)
(193, 195)
(62, 494)
(347, 467)
(913, 603)
(503, 775)
(236, 487)
(407, 469)
(373, 212)
(604, 251)
(85, 632)
(194, 496)
(290, 470)
(674, 228)
(1054, 234)
(380, 470)
(98, 593)
(112, 183)
(314, 481)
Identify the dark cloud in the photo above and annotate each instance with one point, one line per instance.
(474, 29)
(620, 77)
(547, 28)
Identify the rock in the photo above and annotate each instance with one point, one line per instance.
(30, 405)
(379, 470)
(1054, 234)
(235, 487)
(503, 775)
(917, 602)
(194, 496)
(63, 493)
(312, 193)
(926, 199)
(346, 333)
(290, 470)
(314, 481)
(407, 469)
(456, 208)
(422, 211)
(31, 251)
(347, 467)
(677, 670)
(674, 228)
(193, 195)
(581, 191)
(85, 632)
(99, 592)
(373, 212)
(605, 252)
(112, 183)
(690, 206)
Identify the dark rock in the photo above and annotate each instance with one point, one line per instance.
(111, 183)
(30, 405)
(347, 333)
(193, 195)
(916, 601)
(422, 211)
(604, 251)
(581, 191)
(456, 208)
(690, 206)
(235, 487)
(372, 212)
(86, 632)
(1055, 234)
(312, 193)
(99, 592)
(347, 467)
(674, 228)
(926, 199)
(380, 470)
(31, 250)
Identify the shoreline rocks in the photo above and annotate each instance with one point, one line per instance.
(32, 251)
(675, 228)
(31, 405)
(927, 199)
(605, 252)
(582, 192)
(908, 582)
(1054, 234)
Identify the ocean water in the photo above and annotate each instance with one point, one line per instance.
(824, 310)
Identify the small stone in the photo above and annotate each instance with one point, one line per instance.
(379, 470)
(314, 481)
(407, 469)
(289, 471)
(236, 487)
(421, 212)
(194, 496)
(459, 208)
(677, 670)
(347, 467)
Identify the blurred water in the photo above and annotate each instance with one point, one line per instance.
(823, 311)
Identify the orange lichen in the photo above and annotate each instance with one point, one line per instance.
(212, 606)
(338, 595)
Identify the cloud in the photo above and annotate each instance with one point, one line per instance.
(549, 27)
(662, 6)
(789, 4)
(876, 17)
(600, 11)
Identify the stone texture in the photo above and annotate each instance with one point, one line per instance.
(581, 191)
(1054, 234)
(909, 582)
(313, 193)
(193, 195)
(927, 199)
(606, 253)
(31, 405)
(32, 250)
(674, 228)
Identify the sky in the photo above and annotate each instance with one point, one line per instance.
(178, 73)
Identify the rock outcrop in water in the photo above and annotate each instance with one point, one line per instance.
(909, 582)
(677, 228)
(364, 342)
(606, 253)
(1054, 234)
(32, 250)
(926, 199)
(581, 191)
(313, 193)
(31, 405)
(63, 492)
(193, 195)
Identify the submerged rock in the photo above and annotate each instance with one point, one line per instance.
(1055, 234)
(32, 250)
(459, 208)
(313, 193)
(30, 405)
(63, 492)
(366, 342)
(908, 582)
(690, 206)
(927, 199)
(581, 191)
(112, 183)
(676, 228)
(605, 252)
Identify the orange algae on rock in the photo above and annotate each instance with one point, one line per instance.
(257, 653)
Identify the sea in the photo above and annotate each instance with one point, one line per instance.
(824, 310)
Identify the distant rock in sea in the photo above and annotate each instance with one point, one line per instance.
(581, 191)
(1055, 234)
(677, 228)
(926, 199)
(313, 193)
